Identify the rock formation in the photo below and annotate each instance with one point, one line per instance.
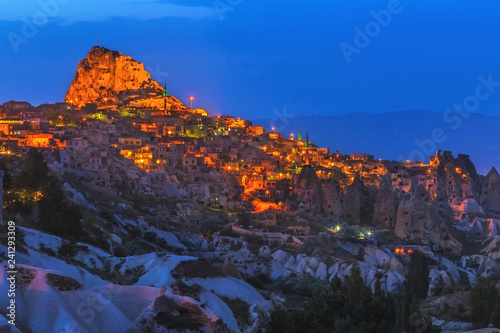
(308, 190)
(331, 201)
(351, 201)
(457, 177)
(107, 77)
(490, 193)
(484, 227)
(358, 202)
(386, 205)
(418, 220)
(368, 198)
(444, 209)
(232, 186)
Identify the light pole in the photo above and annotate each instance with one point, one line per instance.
(191, 98)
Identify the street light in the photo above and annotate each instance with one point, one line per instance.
(191, 98)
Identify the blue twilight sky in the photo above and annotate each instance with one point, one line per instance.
(248, 57)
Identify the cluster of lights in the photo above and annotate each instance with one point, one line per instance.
(401, 250)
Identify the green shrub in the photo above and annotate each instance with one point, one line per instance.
(63, 283)
(150, 236)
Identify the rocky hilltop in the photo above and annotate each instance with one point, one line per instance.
(107, 78)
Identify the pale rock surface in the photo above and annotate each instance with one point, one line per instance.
(457, 177)
(386, 206)
(321, 273)
(483, 227)
(352, 201)
(308, 190)
(376, 257)
(437, 279)
(331, 201)
(471, 206)
(418, 219)
(264, 251)
(490, 192)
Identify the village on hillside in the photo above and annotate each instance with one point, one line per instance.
(138, 190)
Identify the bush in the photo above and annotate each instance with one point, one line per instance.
(192, 291)
(260, 281)
(62, 283)
(195, 268)
(239, 308)
(67, 250)
(47, 250)
(162, 242)
(120, 251)
(132, 275)
(134, 232)
(150, 236)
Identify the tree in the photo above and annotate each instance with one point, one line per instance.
(25, 187)
(52, 193)
(354, 287)
(7, 177)
(409, 318)
(417, 283)
(38, 187)
(284, 321)
(34, 172)
(483, 300)
(350, 306)
(496, 314)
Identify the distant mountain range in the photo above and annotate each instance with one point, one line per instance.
(400, 135)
